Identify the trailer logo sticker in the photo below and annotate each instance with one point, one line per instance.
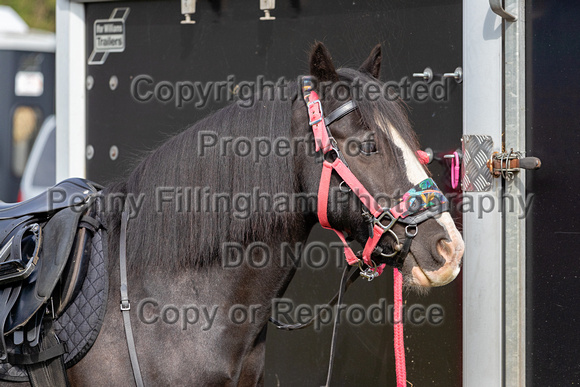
(108, 36)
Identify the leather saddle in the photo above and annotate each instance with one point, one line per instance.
(44, 251)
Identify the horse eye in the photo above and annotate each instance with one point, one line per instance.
(368, 148)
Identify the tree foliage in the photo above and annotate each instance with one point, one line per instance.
(39, 14)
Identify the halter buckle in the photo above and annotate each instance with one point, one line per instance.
(125, 305)
(317, 114)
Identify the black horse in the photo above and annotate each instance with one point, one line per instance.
(203, 191)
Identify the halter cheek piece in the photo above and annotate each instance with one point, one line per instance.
(420, 203)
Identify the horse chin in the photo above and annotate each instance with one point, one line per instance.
(421, 280)
(447, 252)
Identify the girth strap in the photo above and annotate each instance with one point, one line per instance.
(32, 358)
(8, 298)
(45, 365)
(125, 304)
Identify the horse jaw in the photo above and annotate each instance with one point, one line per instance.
(450, 249)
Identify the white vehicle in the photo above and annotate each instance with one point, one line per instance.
(40, 171)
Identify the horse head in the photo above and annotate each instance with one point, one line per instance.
(367, 129)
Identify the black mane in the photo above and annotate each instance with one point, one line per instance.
(173, 238)
(195, 235)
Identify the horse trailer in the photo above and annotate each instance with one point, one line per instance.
(488, 91)
(27, 82)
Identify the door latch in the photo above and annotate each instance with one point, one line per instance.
(508, 163)
(481, 164)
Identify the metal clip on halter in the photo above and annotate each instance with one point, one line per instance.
(369, 274)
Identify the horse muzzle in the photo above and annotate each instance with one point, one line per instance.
(449, 252)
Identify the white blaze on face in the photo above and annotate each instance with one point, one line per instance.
(415, 171)
(451, 250)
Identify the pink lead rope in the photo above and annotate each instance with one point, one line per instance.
(399, 339)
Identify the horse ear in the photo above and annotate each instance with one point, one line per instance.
(372, 64)
(321, 65)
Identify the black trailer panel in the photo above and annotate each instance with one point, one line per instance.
(133, 107)
(553, 226)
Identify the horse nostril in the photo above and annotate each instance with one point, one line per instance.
(445, 249)
(450, 249)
